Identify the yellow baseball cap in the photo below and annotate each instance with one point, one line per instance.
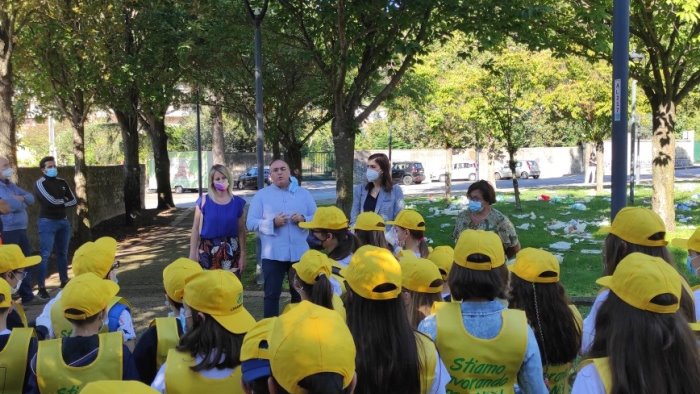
(96, 257)
(327, 218)
(219, 293)
(530, 263)
(307, 340)
(419, 274)
(479, 241)
(636, 225)
(6, 293)
(117, 386)
(640, 277)
(369, 221)
(371, 266)
(409, 219)
(255, 354)
(12, 258)
(176, 274)
(443, 256)
(692, 243)
(312, 264)
(88, 294)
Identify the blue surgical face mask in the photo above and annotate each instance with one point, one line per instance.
(52, 172)
(8, 172)
(689, 262)
(475, 206)
(372, 175)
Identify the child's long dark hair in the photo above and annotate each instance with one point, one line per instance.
(347, 244)
(320, 292)
(387, 353)
(547, 308)
(375, 238)
(218, 347)
(648, 352)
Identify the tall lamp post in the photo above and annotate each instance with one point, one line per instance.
(635, 58)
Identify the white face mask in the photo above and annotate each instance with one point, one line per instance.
(16, 288)
(8, 172)
(372, 175)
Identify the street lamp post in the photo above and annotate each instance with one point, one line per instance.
(635, 58)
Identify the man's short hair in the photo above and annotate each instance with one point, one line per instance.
(44, 160)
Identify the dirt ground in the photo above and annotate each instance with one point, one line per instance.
(144, 250)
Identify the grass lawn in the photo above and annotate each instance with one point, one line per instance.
(581, 263)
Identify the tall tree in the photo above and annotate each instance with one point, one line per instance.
(14, 16)
(362, 50)
(667, 33)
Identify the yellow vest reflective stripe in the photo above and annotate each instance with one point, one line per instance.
(13, 360)
(427, 355)
(62, 327)
(481, 365)
(168, 337)
(20, 311)
(54, 376)
(602, 366)
(179, 378)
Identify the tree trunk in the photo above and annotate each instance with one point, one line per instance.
(128, 122)
(516, 188)
(663, 153)
(599, 166)
(344, 148)
(217, 134)
(448, 174)
(159, 142)
(292, 156)
(276, 154)
(8, 137)
(84, 232)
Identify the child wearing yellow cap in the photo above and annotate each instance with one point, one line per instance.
(330, 226)
(117, 386)
(535, 289)
(313, 281)
(13, 265)
(391, 356)
(207, 359)
(443, 256)
(422, 284)
(255, 358)
(409, 229)
(692, 245)
(486, 346)
(634, 229)
(369, 229)
(67, 364)
(643, 345)
(311, 351)
(17, 347)
(165, 332)
(99, 258)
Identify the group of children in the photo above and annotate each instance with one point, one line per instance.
(372, 319)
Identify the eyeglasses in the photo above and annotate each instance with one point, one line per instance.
(20, 275)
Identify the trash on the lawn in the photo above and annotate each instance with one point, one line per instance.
(683, 207)
(445, 225)
(561, 245)
(544, 197)
(590, 251)
(579, 206)
(526, 226)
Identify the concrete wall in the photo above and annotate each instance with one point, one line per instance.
(105, 193)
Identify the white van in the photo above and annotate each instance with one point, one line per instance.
(463, 170)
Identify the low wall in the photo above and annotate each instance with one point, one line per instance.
(105, 194)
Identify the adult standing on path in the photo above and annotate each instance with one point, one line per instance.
(379, 194)
(275, 213)
(14, 223)
(218, 230)
(54, 196)
(479, 215)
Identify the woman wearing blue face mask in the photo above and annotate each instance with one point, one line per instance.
(379, 194)
(218, 238)
(479, 215)
(692, 245)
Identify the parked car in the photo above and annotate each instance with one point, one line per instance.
(250, 178)
(407, 172)
(523, 169)
(460, 171)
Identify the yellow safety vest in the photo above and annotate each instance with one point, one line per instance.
(558, 377)
(62, 327)
(180, 378)
(481, 365)
(338, 306)
(54, 376)
(168, 337)
(427, 355)
(602, 366)
(13, 360)
(20, 311)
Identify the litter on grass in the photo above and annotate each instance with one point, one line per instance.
(579, 206)
(590, 251)
(445, 225)
(526, 226)
(561, 246)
